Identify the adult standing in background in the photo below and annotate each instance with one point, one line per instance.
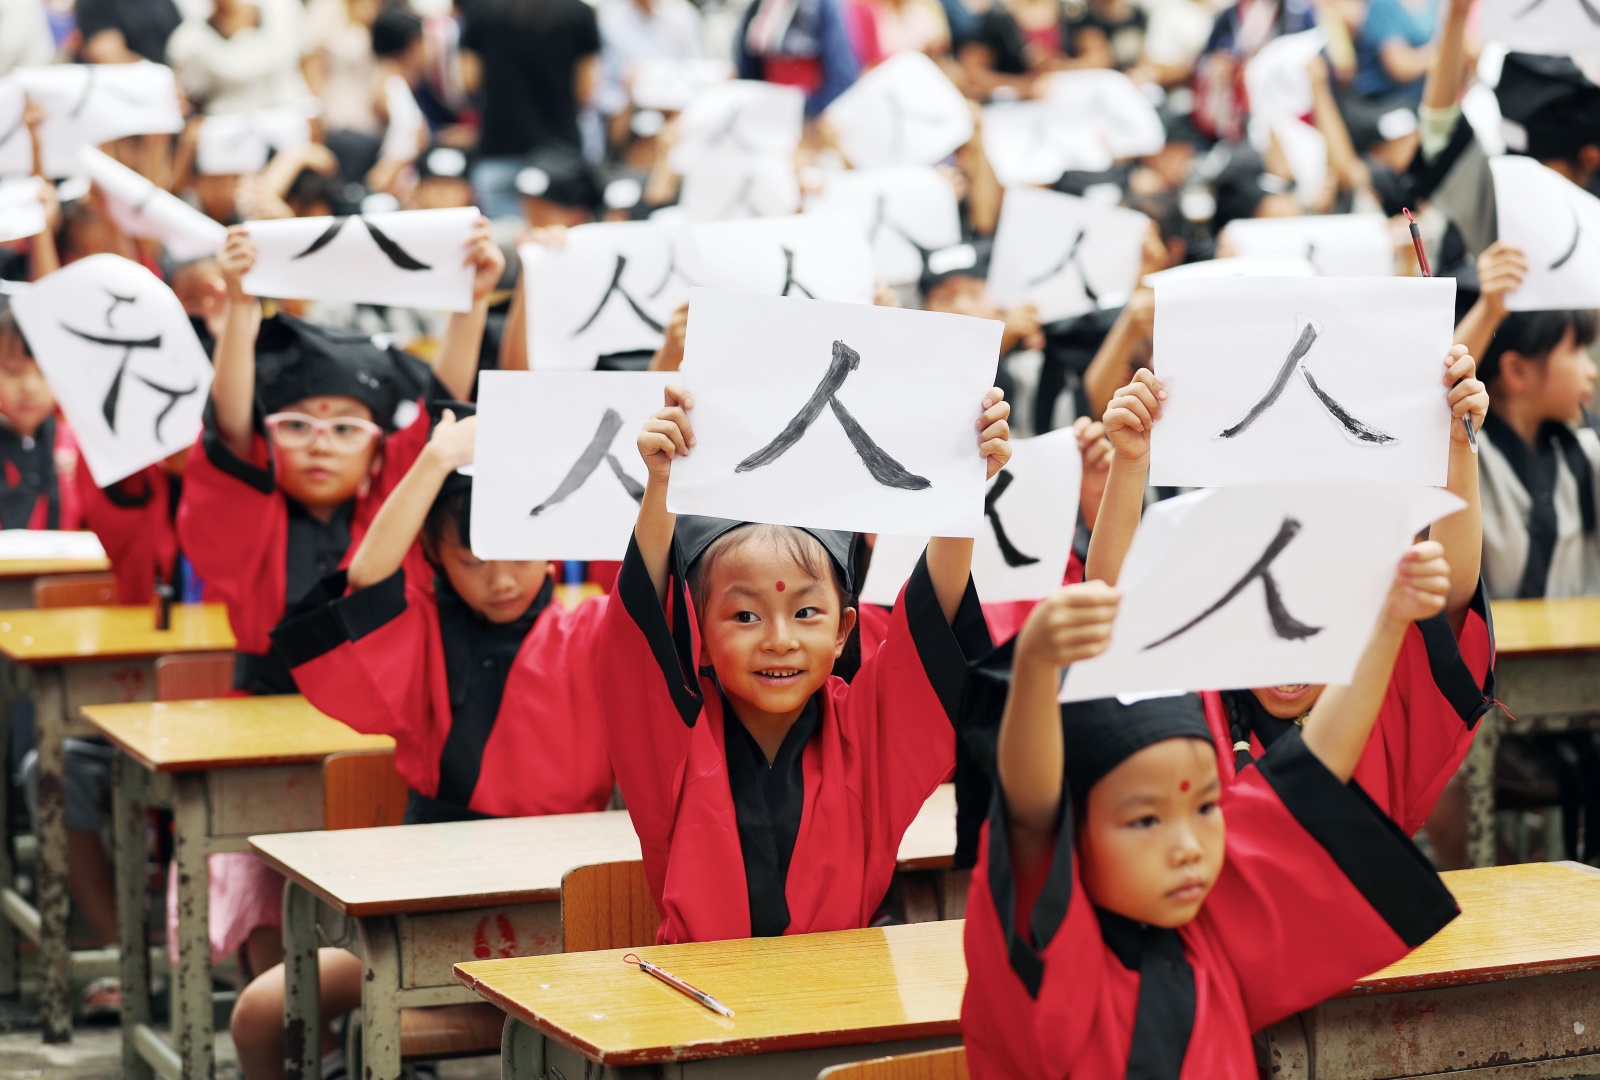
(803, 43)
(635, 30)
(122, 31)
(243, 56)
(537, 63)
(339, 63)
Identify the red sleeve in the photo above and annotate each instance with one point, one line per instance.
(1319, 887)
(226, 501)
(401, 450)
(650, 698)
(130, 520)
(69, 465)
(1442, 686)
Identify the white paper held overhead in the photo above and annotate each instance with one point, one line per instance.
(907, 213)
(905, 111)
(1063, 254)
(1556, 224)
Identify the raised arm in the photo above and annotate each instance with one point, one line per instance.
(233, 382)
(950, 557)
(1442, 89)
(1342, 719)
(666, 435)
(1501, 270)
(1461, 534)
(1129, 420)
(463, 337)
(383, 550)
(1072, 624)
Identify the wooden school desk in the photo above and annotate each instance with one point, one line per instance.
(1547, 668)
(1510, 989)
(229, 767)
(75, 657)
(414, 900)
(802, 1003)
(18, 575)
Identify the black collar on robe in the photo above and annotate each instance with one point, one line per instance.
(27, 474)
(1536, 467)
(314, 550)
(768, 801)
(1164, 1018)
(478, 657)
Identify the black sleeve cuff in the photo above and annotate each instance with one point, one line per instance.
(327, 618)
(1369, 849)
(671, 645)
(1424, 176)
(218, 453)
(977, 729)
(1049, 910)
(945, 647)
(1450, 672)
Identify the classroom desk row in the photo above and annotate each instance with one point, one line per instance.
(1510, 989)
(244, 773)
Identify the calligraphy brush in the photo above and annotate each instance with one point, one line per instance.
(1427, 271)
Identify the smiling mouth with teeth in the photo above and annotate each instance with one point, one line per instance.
(779, 673)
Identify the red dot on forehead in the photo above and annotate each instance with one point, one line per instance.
(1184, 786)
(780, 586)
(323, 406)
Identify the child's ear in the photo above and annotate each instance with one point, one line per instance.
(847, 623)
(1514, 371)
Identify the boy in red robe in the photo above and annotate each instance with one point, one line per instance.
(769, 795)
(1115, 927)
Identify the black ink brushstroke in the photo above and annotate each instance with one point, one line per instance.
(1008, 550)
(789, 280)
(729, 132)
(323, 240)
(1071, 259)
(116, 302)
(399, 256)
(1359, 430)
(121, 343)
(1302, 345)
(741, 200)
(884, 468)
(1572, 249)
(108, 406)
(598, 450)
(881, 220)
(1588, 9)
(616, 287)
(1285, 625)
(672, 270)
(173, 397)
(90, 72)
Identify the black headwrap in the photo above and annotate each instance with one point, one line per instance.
(1553, 102)
(696, 534)
(296, 359)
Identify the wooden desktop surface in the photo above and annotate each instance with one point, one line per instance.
(1515, 921)
(62, 635)
(930, 842)
(32, 568)
(464, 864)
(216, 733)
(1563, 624)
(787, 993)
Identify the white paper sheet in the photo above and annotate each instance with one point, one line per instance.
(409, 258)
(1277, 82)
(906, 213)
(1031, 143)
(562, 462)
(1259, 266)
(612, 288)
(822, 258)
(21, 212)
(16, 544)
(123, 360)
(669, 83)
(404, 137)
(241, 143)
(1063, 254)
(905, 111)
(142, 209)
(758, 368)
(1306, 150)
(740, 118)
(1551, 27)
(90, 104)
(733, 187)
(1037, 513)
(1114, 106)
(1245, 360)
(1557, 226)
(1337, 547)
(16, 149)
(1337, 245)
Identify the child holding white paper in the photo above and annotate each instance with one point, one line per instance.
(770, 796)
(1117, 927)
(1444, 680)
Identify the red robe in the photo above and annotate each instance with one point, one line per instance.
(234, 526)
(375, 659)
(134, 520)
(882, 743)
(1441, 686)
(1318, 890)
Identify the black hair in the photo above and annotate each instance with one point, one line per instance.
(311, 187)
(1534, 334)
(797, 544)
(9, 327)
(1163, 209)
(451, 510)
(393, 32)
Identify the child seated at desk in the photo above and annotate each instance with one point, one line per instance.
(308, 432)
(486, 683)
(769, 796)
(1115, 927)
(1444, 679)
